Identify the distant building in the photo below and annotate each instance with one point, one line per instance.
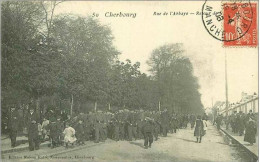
(247, 102)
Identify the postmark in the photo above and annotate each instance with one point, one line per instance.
(234, 22)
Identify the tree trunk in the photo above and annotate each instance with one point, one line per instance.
(159, 106)
(96, 106)
(71, 106)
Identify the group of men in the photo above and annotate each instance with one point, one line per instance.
(237, 121)
(100, 125)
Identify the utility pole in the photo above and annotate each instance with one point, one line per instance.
(226, 83)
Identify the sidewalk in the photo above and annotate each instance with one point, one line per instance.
(240, 139)
(22, 144)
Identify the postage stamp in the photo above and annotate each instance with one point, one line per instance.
(240, 19)
(233, 22)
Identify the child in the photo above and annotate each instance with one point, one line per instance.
(69, 135)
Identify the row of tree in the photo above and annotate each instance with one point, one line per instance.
(63, 59)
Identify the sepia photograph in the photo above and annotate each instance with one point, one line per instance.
(115, 81)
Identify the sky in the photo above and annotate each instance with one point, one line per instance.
(137, 37)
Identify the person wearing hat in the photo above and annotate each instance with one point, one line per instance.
(80, 132)
(54, 136)
(199, 129)
(218, 121)
(250, 115)
(165, 122)
(32, 123)
(233, 121)
(251, 130)
(13, 125)
(241, 123)
(148, 132)
(60, 128)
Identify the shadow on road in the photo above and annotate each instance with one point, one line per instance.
(222, 143)
(137, 144)
(187, 140)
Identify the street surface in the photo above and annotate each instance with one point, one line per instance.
(176, 147)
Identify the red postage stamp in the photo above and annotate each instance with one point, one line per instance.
(240, 24)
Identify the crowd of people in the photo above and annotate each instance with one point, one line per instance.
(63, 130)
(240, 124)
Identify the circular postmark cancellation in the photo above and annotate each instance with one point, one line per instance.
(227, 20)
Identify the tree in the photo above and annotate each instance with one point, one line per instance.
(173, 72)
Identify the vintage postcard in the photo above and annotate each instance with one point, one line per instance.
(129, 81)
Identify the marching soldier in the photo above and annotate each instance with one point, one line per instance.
(156, 117)
(116, 126)
(148, 132)
(165, 122)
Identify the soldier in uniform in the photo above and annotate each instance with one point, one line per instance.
(156, 117)
(148, 132)
(129, 123)
(116, 125)
(192, 120)
(174, 123)
(140, 125)
(165, 122)
(54, 136)
(98, 127)
(105, 124)
(13, 125)
(88, 126)
(121, 125)
(60, 129)
(32, 123)
(80, 132)
(134, 122)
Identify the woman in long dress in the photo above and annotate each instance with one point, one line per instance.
(69, 135)
(199, 129)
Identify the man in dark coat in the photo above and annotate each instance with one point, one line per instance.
(13, 125)
(192, 120)
(165, 122)
(218, 121)
(233, 122)
(130, 123)
(147, 130)
(54, 135)
(241, 123)
(251, 130)
(156, 125)
(60, 129)
(32, 123)
(80, 132)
